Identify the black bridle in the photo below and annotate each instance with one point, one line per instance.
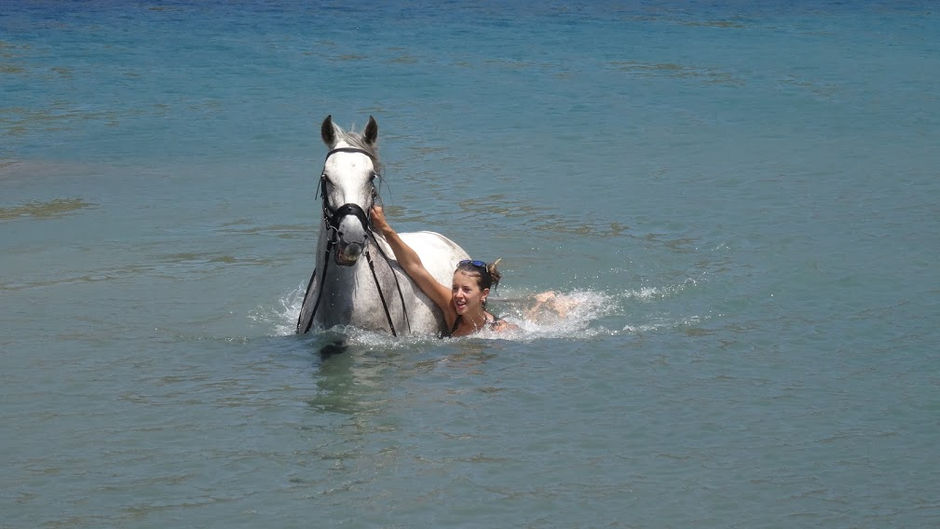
(332, 217)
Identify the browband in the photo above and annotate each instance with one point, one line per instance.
(350, 149)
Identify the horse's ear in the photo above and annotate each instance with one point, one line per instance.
(327, 132)
(372, 131)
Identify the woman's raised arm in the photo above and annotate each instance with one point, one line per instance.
(410, 262)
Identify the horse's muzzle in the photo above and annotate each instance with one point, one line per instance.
(350, 240)
(347, 254)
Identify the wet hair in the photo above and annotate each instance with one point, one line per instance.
(488, 275)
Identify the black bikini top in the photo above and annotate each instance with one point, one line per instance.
(492, 323)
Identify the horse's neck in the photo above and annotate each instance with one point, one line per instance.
(322, 239)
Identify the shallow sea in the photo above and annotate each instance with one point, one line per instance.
(743, 198)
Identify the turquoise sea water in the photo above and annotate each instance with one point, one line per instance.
(744, 199)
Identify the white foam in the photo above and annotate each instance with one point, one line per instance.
(582, 310)
(283, 317)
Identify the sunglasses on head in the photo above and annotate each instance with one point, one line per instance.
(472, 262)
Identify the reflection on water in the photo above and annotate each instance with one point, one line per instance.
(338, 389)
(359, 372)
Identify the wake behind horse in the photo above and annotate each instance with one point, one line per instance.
(356, 281)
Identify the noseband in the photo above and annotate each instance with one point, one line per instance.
(332, 217)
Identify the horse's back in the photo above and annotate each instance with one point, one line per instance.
(438, 254)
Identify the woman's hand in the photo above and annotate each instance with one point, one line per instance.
(378, 220)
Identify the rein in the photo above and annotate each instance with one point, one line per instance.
(332, 218)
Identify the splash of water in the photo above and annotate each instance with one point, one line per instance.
(282, 317)
(575, 314)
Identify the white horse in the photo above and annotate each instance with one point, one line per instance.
(356, 280)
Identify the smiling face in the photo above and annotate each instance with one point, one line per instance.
(466, 294)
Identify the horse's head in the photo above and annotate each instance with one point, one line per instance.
(348, 188)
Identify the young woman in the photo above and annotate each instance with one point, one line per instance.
(464, 302)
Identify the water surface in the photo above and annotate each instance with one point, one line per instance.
(743, 199)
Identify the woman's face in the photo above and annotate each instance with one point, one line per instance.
(466, 294)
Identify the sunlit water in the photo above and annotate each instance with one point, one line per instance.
(741, 200)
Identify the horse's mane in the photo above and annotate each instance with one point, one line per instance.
(355, 139)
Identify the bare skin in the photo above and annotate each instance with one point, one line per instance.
(550, 305)
(464, 299)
